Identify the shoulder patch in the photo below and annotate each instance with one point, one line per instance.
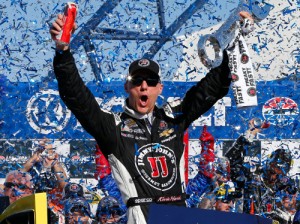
(173, 102)
(168, 110)
(117, 119)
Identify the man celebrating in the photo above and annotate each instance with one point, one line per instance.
(144, 144)
(17, 185)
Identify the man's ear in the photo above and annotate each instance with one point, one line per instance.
(161, 88)
(126, 86)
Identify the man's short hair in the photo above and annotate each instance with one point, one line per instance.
(24, 174)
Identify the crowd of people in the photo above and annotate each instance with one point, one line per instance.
(223, 183)
(140, 154)
(68, 202)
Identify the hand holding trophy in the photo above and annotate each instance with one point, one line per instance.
(229, 37)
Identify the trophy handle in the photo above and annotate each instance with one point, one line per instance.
(218, 53)
(226, 33)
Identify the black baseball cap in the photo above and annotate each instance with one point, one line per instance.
(148, 66)
(73, 190)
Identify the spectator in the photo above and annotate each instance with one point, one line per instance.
(1, 189)
(18, 184)
(76, 207)
(218, 171)
(110, 211)
(285, 208)
(222, 175)
(77, 210)
(260, 184)
(225, 196)
(48, 173)
(107, 183)
(288, 204)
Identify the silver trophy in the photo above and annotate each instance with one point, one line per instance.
(226, 33)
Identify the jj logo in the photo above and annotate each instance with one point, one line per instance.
(154, 161)
(162, 166)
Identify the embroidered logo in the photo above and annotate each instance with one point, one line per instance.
(144, 62)
(163, 125)
(166, 132)
(157, 166)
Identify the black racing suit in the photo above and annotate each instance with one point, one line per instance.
(146, 159)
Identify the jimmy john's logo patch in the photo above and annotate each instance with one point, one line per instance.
(157, 166)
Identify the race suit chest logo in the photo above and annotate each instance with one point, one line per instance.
(157, 166)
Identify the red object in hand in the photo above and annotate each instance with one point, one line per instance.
(102, 165)
(70, 13)
(266, 124)
(207, 153)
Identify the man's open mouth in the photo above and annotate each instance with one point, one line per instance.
(144, 98)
